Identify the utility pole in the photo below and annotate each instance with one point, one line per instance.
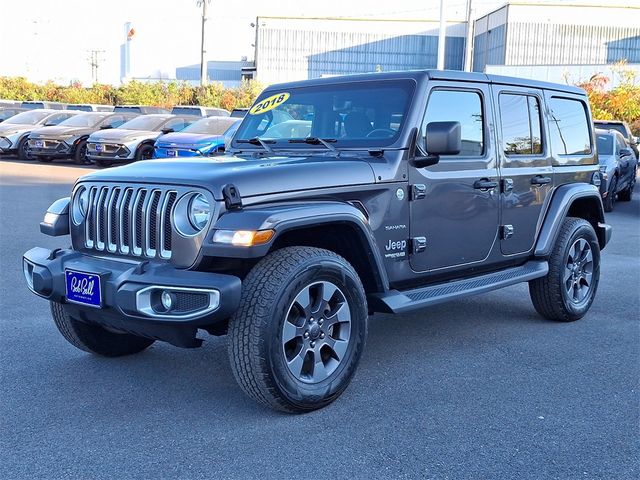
(94, 61)
(203, 63)
(442, 35)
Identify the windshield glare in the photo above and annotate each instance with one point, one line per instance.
(28, 118)
(144, 123)
(83, 120)
(211, 125)
(363, 114)
(605, 144)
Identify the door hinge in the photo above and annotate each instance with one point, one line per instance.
(507, 185)
(507, 231)
(418, 191)
(418, 244)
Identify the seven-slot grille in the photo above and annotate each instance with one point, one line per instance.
(130, 221)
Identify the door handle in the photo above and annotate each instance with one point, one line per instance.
(484, 184)
(540, 180)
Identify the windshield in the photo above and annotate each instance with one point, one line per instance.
(187, 110)
(359, 114)
(83, 120)
(28, 118)
(605, 144)
(212, 125)
(144, 123)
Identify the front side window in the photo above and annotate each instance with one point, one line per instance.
(349, 114)
(520, 121)
(144, 122)
(83, 120)
(569, 127)
(458, 106)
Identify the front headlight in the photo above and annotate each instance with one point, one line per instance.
(80, 205)
(199, 211)
(4, 142)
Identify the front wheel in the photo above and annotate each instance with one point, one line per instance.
(567, 291)
(80, 154)
(23, 150)
(297, 338)
(611, 195)
(93, 338)
(144, 152)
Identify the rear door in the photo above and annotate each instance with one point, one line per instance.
(525, 165)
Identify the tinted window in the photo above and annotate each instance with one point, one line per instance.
(58, 118)
(520, 120)
(463, 107)
(605, 145)
(116, 120)
(187, 110)
(177, 124)
(569, 127)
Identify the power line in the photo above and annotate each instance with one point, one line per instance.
(95, 60)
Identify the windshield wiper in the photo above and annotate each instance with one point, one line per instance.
(317, 141)
(258, 141)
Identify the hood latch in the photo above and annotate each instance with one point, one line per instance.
(232, 198)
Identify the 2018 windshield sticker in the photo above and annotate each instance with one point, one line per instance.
(269, 103)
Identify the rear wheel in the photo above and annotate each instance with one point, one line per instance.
(626, 194)
(611, 195)
(297, 338)
(567, 291)
(144, 152)
(80, 155)
(95, 339)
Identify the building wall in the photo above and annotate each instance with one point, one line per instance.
(290, 49)
(518, 34)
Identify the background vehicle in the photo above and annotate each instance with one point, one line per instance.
(207, 136)
(412, 189)
(33, 104)
(134, 139)
(199, 111)
(15, 130)
(142, 109)
(623, 129)
(239, 112)
(618, 166)
(8, 112)
(90, 107)
(69, 138)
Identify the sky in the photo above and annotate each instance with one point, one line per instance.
(52, 39)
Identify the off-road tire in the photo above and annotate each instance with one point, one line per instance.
(255, 330)
(627, 194)
(80, 153)
(93, 338)
(611, 195)
(548, 293)
(144, 152)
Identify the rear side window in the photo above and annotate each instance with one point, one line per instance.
(459, 106)
(520, 120)
(569, 127)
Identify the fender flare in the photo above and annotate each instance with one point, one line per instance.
(285, 217)
(561, 202)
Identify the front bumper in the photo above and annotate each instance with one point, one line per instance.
(126, 287)
(49, 148)
(109, 151)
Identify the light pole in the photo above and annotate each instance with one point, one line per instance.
(203, 64)
(441, 37)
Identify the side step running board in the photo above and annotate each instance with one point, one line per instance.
(395, 301)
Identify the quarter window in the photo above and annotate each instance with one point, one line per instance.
(569, 127)
(459, 106)
(520, 120)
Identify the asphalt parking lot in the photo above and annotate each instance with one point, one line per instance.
(479, 389)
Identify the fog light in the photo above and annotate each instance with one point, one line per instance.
(167, 300)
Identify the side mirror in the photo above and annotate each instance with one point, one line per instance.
(105, 127)
(441, 138)
(49, 124)
(167, 130)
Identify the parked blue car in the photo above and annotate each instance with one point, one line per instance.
(204, 137)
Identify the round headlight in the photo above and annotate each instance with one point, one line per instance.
(80, 205)
(199, 211)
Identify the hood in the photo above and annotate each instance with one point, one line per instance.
(122, 135)
(251, 176)
(11, 128)
(58, 130)
(178, 139)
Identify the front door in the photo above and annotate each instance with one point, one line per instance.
(455, 206)
(525, 166)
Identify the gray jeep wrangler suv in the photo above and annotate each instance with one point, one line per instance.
(337, 198)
